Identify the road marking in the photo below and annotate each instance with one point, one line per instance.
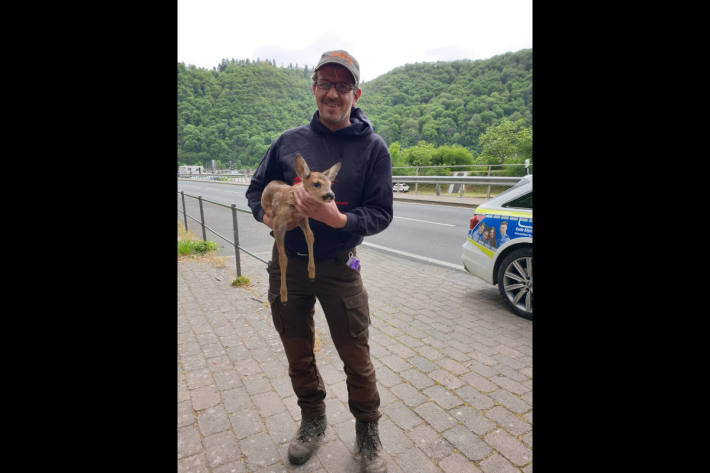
(439, 204)
(426, 221)
(417, 257)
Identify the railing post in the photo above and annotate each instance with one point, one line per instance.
(488, 193)
(184, 212)
(416, 184)
(202, 219)
(236, 239)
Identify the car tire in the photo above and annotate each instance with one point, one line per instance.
(515, 282)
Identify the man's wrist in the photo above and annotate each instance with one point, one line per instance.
(340, 221)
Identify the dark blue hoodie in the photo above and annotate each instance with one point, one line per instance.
(363, 186)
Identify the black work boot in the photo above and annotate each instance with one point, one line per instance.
(369, 447)
(306, 440)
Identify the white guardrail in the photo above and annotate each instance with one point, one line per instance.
(484, 180)
(480, 180)
(239, 178)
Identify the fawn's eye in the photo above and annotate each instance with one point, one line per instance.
(316, 184)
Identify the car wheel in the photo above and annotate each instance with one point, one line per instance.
(515, 281)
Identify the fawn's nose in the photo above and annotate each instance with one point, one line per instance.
(329, 196)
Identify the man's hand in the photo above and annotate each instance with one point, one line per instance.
(327, 213)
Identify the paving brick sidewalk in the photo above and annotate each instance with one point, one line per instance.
(454, 371)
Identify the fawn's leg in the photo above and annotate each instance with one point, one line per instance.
(279, 235)
(306, 229)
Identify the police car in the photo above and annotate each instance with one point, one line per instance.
(498, 246)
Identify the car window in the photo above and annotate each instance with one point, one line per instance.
(522, 202)
(520, 183)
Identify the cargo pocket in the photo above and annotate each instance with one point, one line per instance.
(358, 313)
(275, 314)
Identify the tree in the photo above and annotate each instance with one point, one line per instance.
(429, 132)
(442, 104)
(420, 155)
(452, 155)
(398, 159)
(499, 143)
(454, 101)
(507, 143)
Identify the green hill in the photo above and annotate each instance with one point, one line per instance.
(234, 111)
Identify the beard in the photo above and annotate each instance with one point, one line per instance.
(334, 113)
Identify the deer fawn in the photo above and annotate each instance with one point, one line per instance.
(277, 200)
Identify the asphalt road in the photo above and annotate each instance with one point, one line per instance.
(432, 233)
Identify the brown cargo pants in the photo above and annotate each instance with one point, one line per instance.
(342, 296)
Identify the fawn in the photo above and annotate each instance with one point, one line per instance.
(277, 200)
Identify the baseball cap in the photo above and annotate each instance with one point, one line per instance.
(342, 58)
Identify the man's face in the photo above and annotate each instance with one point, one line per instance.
(333, 106)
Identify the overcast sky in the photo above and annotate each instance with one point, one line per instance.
(381, 34)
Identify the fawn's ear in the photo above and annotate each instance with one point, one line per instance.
(333, 171)
(302, 168)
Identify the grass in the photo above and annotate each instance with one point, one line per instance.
(191, 247)
(184, 234)
(241, 281)
(188, 247)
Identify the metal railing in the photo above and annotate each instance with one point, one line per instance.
(239, 179)
(458, 180)
(489, 169)
(490, 180)
(438, 180)
(245, 178)
(204, 226)
(487, 166)
(416, 180)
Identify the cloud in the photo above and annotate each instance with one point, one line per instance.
(450, 53)
(306, 55)
(382, 35)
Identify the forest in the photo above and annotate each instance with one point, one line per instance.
(453, 112)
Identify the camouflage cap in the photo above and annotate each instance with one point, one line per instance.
(342, 58)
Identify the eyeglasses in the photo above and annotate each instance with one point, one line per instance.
(341, 87)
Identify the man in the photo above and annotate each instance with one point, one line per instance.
(337, 132)
(503, 233)
(478, 234)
